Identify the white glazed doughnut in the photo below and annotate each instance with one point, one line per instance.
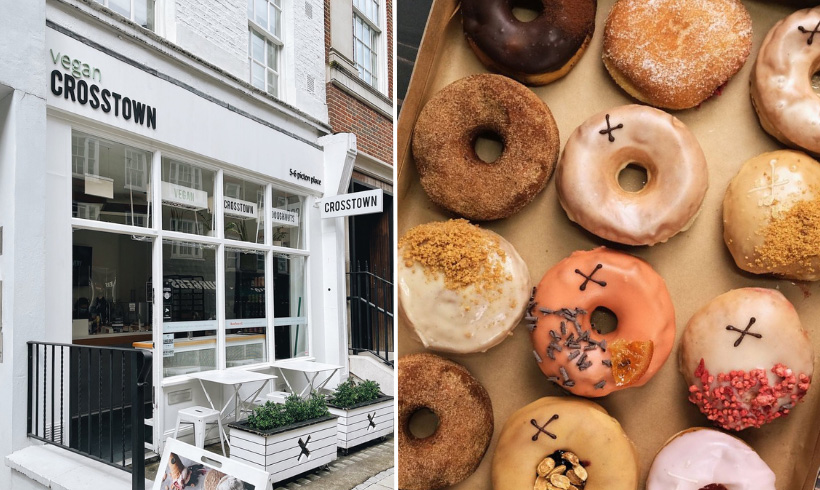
(782, 94)
(600, 148)
(462, 289)
(746, 358)
(707, 459)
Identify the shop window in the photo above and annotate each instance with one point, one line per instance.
(187, 198)
(110, 181)
(189, 308)
(366, 32)
(245, 314)
(110, 285)
(139, 11)
(265, 44)
(287, 220)
(243, 202)
(290, 317)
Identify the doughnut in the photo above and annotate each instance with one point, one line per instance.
(445, 134)
(536, 52)
(771, 216)
(782, 95)
(746, 358)
(568, 348)
(700, 458)
(600, 148)
(462, 289)
(465, 427)
(563, 441)
(676, 53)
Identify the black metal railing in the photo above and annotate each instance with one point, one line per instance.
(91, 401)
(370, 307)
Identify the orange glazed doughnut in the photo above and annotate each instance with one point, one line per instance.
(676, 53)
(568, 348)
(782, 93)
(600, 148)
(444, 147)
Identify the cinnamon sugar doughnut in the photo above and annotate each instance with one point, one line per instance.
(771, 215)
(600, 148)
(573, 438)
(746, 358)
(536, 52)
(782, 92)
(445, 134)
(465, 426)
(676, 53)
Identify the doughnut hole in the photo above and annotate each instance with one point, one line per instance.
(714, 486)
(488, 146)
(603, 320)
(423, 423)
(815, 83)
(633, 177)
(527, 10)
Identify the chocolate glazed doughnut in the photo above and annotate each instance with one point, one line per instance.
(465, 426)
(536, 52)
(444, 147)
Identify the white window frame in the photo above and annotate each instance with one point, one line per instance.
(380, 68)
(130, 15)
(158, 236)
(272, 41)
(136, 165)
(90, 165)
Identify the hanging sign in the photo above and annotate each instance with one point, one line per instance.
(281, 217)
(367, 202)
(184, 197)
(240, 209)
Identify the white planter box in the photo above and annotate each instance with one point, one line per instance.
(363, 422)
(286, 451)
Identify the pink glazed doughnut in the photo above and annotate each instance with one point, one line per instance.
(781, 91)
(698, 459)
(595, 154)
(746, 358)
(568, 349)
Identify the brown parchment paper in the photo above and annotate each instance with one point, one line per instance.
(696, 264)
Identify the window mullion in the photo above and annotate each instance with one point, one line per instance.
(221, 353)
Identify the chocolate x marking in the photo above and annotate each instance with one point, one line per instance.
(609, 128)
(304, 447)
(542, 428)
(744, 332)
(810, 33)
(589, 278)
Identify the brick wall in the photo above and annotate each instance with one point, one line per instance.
(374, 132)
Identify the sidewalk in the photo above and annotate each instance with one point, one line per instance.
(369, 466)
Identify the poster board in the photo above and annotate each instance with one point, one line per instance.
(188, 467)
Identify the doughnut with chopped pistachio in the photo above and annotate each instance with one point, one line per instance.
(462, 289)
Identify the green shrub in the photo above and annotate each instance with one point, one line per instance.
(295, 409)
(349, 393)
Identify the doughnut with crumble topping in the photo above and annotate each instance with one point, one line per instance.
(535, 52)
(746, 358)
(444, 138)
(564, 442)
(675, 54)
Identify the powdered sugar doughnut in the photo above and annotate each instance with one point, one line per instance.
(746, 358)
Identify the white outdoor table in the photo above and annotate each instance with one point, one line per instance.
(235, 378)
(310, 369)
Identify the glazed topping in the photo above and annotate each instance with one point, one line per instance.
(459, 251)
(562, 470)
(609, 129)
(741, 399)
(792, 238)
(542, 45)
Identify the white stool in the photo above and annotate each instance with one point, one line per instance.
(278, 396)
(199, 417)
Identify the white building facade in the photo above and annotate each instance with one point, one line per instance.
(161, 165)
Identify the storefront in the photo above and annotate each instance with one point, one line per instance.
(182, 217)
